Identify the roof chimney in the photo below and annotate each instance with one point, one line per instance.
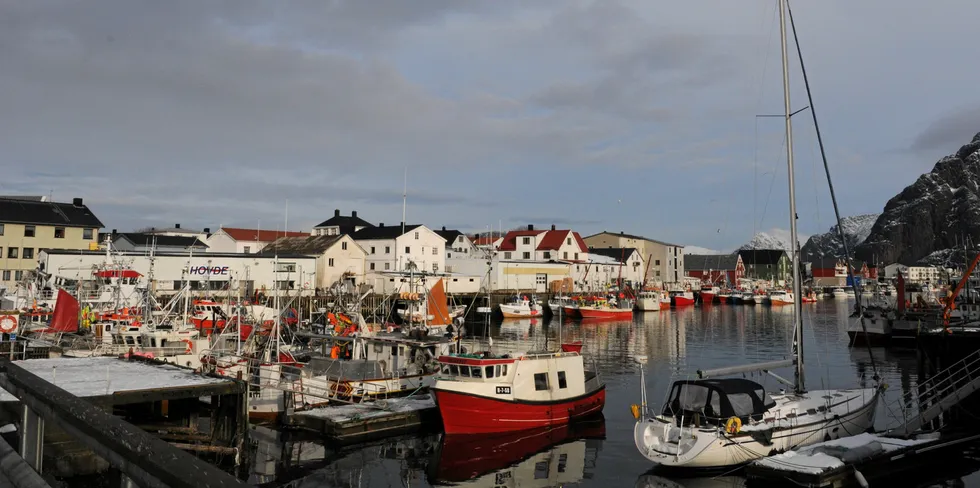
(444, 228)
(552, 226)
(176, 226)
(354, 213)
(113, 231)
(622, 233)
(381, 224)
(530, 227)
(207, 230)
(76, 202)
(336, 212)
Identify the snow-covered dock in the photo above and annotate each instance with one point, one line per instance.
(369, 420)
(852, 460)
(119, 381)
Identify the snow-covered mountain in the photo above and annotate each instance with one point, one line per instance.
(702, 250)
(764, 240)
(937, 212)
(856, 230)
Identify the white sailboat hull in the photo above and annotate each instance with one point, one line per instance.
(661, 441)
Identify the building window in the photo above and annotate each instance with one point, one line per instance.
(12, 252)
(285, 285)
(507, 255)
(656, 263)
(547, 255)
(561, 380)
(387, 266)
(387, 249)
(343, 246)
(540, 381)
(1, 229)
(286, 268)
(28, 231)
(541, 279)
(658, 273)
(435, 251)
(416, 236)
(408, 250)
(568, 241)
(59, 232)
(435, 267)
(372, 266)
(526, 240)
(86, 234)
(18, 275)
(565, 256)
(372, 249)
(248, 249)
(28, 253)
(6, 275)
(576, 256)
(526, 255)
(330, 262)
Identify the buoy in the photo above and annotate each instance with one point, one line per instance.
(635, 409)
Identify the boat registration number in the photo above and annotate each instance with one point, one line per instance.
(503, 390)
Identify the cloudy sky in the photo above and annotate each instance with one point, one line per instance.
(616, 115)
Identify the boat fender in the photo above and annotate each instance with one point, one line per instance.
(860, 479)
(635, 410)
(733, 425)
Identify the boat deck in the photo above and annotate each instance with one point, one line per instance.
(365, 421)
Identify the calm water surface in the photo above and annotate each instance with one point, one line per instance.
(601, 453)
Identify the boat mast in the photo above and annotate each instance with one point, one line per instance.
(797, 305)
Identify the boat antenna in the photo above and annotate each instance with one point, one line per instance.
(833, 197)
(404, 199)
(794, 244)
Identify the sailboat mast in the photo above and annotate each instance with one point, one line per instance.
(794, 243)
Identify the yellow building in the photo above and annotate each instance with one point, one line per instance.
(30, 224)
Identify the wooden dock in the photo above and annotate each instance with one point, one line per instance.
(367, 421)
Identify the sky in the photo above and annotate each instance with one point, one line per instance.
(635, 116)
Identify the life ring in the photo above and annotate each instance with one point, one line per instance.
(733, 425)
(190, 346)
(8, 324)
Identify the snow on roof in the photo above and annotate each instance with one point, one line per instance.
(89, 377)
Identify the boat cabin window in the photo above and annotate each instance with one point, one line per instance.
(503, 370)
(477, 372)
(489, 373)
(445, 369)
(717, 400)
(561, 380)
(540, 381)
(741, 404)
(464, 371)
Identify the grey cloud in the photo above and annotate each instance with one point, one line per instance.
(949, 132)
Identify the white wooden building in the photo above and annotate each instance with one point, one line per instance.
(398, 247)
(221, 274)
(339, 258)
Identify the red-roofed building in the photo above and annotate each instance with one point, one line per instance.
(543, 245)
(248, 241)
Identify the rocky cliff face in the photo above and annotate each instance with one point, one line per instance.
(933, 214)
(856, 231)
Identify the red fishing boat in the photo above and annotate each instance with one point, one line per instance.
(480, 394)
(708, 294)
(681, 298)
(605, 313)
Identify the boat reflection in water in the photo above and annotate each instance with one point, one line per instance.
(550, 456)
(655, 481)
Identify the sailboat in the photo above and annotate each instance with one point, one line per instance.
(713, 422)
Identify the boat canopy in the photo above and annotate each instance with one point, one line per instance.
(718, 399)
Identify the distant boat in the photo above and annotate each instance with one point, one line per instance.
(521, 307)
(681, 298)
(708, 293)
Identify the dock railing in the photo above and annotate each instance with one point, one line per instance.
(939, 393)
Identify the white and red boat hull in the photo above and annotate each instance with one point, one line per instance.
(474, 414)
(684, 300)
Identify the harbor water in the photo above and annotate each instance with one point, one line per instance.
(601, 453)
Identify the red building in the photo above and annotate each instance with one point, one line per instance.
(715, 268)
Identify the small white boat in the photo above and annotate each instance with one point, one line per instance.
(521, 307)
(558, 303)
(648, 301)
